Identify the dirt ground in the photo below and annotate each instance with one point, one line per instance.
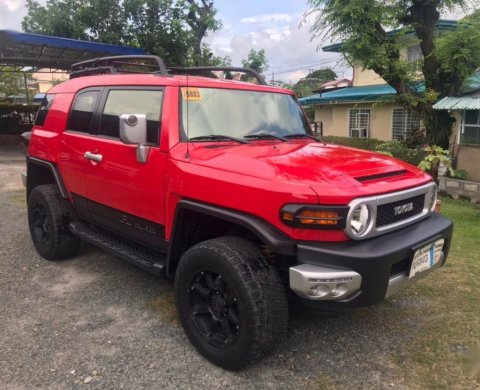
(98, 322)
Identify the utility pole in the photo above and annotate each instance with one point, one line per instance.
(26, 86)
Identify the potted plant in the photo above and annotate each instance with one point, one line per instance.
(437, 162)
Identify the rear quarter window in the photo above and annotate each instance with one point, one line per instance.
(44, 109)
(82, 111)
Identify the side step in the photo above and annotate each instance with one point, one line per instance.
(145, 258)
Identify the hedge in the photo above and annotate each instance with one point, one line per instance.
(360, 143)
(397, 149)
(16, 118)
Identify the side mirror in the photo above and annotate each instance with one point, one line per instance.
(133, 130)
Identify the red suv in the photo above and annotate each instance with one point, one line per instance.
(221, 185)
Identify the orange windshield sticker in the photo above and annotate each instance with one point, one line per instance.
(191, 94)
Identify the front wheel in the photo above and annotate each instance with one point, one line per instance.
(231, 303)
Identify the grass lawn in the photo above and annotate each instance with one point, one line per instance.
(438, 357)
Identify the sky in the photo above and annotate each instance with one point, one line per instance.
(277, 26)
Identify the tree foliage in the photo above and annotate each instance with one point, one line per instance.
(201, 19)
(172, 29)
(13, 83)
(313, 80)
(363, 27)
(256, 61)
(324, 75)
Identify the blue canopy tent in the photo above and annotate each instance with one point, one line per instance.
(21, 50)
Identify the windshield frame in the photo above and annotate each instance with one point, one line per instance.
(182, 130)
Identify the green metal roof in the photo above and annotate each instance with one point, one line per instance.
(367, 93)
(458, 103)
(442, 25)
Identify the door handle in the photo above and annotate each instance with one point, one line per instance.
(93, 156)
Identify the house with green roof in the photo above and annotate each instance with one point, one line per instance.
(465, 138)
(368, 109)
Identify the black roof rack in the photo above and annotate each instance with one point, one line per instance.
(154, 64)
(207, 71)
(119, 64)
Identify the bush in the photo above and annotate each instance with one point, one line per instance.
(399, 150)
(396, 149)
(360, 143)
(16, 118)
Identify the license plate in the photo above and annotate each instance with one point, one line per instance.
(426, 257)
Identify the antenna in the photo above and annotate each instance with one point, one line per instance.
(188, 118)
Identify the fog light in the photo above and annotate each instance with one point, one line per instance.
(320, 290)
(339, 290)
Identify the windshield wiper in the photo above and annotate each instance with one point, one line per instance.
(304, 135)
(265, 136)
(218, 137)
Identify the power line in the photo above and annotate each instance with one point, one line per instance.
(308, 63)
(303, 68)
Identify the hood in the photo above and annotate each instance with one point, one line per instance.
(312, 163)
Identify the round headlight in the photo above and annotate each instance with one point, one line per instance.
(360, 220)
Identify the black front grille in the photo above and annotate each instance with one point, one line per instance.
(400, 210)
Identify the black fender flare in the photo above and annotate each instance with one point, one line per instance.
(55, 173)
(276, 240)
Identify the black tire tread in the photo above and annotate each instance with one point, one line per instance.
(62, 213)
(263, 284)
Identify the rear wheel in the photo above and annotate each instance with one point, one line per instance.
(48, 218)
(231, 303)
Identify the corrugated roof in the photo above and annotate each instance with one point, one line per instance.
(458, 103)
(43, 51)
(442, 25)
(351, 94)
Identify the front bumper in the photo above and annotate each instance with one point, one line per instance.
(367, 271)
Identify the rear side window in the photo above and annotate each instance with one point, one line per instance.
(148, 102)
(82, 111)
(43, 110)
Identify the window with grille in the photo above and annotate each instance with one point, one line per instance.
(403, 121)
(415, 56)
(470, 133)
(359, 122)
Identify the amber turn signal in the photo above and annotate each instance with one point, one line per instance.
(319, 217)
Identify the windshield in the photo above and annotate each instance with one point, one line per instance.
(237, 113)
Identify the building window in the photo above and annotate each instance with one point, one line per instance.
(415, 57)
(359, 122)
(404, 121)
(470, 132)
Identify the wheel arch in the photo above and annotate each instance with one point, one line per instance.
(41, 172)
(217, 221)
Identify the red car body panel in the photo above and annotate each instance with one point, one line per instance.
(258, 178)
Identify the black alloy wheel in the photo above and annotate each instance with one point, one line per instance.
(213, 309)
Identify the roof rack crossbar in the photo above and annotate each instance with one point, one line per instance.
(114, 65)
(202, 69)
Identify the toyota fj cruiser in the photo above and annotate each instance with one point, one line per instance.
(221, 185)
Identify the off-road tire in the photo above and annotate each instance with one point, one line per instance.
(53, 239)
(261, 300)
